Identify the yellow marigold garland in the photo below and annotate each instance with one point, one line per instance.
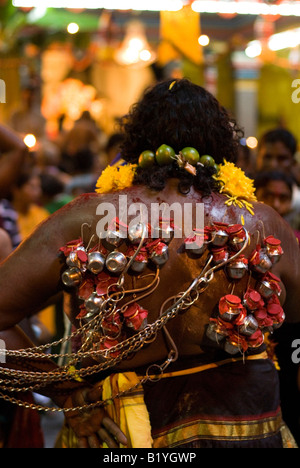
(234, 183)
(236, 186)
(115, 178)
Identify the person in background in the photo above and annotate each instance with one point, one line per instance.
(26, 199)
(9, 220)
(277, 150)
(83, 178)
(13, 152)
(53, 192)
(245, 158)
(113, 148)
(275, 188)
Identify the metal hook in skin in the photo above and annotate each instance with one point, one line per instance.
(82, 226)
(122, 276)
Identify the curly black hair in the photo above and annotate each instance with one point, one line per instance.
(179, 113)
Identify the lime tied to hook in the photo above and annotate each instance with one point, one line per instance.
(190, 155)
(164, 155)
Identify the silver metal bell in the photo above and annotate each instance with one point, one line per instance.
(230, 307)
(194, 247)
(260, 262)
(161, 257)
(265, 289)
(215, 333)
(237, 269)
(219, 237)
(237, 237)
(164, 231)
(116, 262)
(71, 277)
(114, 237)
(73, 260)
(249, 326)
(93, 304)
(96, 262)
(138, 265)
(231, 347)
(273, 249)
(135, 233)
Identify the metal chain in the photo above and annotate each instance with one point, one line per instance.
(131, 345)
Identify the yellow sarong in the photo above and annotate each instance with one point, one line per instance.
(128, 411)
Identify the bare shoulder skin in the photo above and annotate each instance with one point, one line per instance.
(5, 245)
(31, 276)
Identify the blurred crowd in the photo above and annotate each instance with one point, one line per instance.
(36, 182)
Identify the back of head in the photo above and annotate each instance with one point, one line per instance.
(178, 113)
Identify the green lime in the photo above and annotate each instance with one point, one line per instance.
(191, 155)
(164, 155)
(146, 159)
(216, 167)
(207, 160)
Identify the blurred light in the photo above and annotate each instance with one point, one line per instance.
(203, 40)
(256, 8)
(135, 49)
(145, 5)
(253, 49)
(73, 28)
(251, 142)
(30, 141)
(145, 55)
(279, 41)
(284, 40)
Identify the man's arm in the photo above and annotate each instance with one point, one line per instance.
(12, 155)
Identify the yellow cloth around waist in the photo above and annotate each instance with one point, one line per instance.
(129, 411)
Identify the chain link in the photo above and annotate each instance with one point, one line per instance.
(30, 381)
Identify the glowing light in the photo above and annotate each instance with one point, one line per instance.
(73, 28)
(253, 49)
(145, 5)
(284, 40)
(287, 8)
(251, 142)
(30, 141)
(279, 41)
(145, 55)
(135, 49)
(203, 40)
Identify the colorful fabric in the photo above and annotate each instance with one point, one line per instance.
(234, 405)
(128, 411)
